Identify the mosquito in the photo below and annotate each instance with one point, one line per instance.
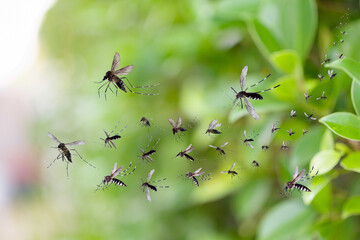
(331, 74)
(197, 173)
(307, 96)
(185, 153)
(220, 149)
(283, 146)
(341, 40)
(326, 60)
(320, 77)
(305, 132)
(114, 77)
(231, 172)
(322, 96)
(255, 164)
(109, 140)
(274, 128)
(265, 147)
(249, 95)
(147, 155)
(248, 140)
(145, 122)
(110, 179)
(146, 186)
(290, 132)
(64, 152)
(341, 56)
(299, 177)
(212, 127)
(292, 113)
(310, 116)
(343, 32)
(176, 128)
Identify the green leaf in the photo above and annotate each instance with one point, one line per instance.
(351, 207)
(346, 125)
(327, 141)
(234, 9)
(325, 160)
(291, 214)
(289, 24)
(355, 95)
(285, 60)
(348, 65)
(317, 186)
(351, 162)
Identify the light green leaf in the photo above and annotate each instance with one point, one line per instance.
(348, 65)
(351, 162)
(234, 9)
(346, 125)
(327, 141)
(285, 60)
(355, 95)
(291, 214)
(351, 207)
(325, 160)
(317, 184)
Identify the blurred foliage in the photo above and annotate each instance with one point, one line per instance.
(196, 49)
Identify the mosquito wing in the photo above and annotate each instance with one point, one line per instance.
(299, 176)
(306, 114)
(295, 172)
(248, 143)
(178, 123)
(243, 77)
(53, 137)
(211, 125)
(224, 144)
(197, 171)
(75, 143)
(217, 125)
(124, 70)
(116, 62)
(233, 165)
(114, 168)
(172, 123)
(212, 146)
(147, 193)
(107, 135)
(245, 134)
(150, 175)
(251, 109)
(114, 174)
(189, 149)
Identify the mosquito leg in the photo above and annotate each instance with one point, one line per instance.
(258, 82)
(100, 88)
(241, 103)
(54, 160)
(140, 86)
(159, 180)
(268, 89)
(149, 94)
(125, 170)
(82, 158)
(67, 170)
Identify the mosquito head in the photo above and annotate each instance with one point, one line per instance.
(62, 146)
(106, 179)
(107, 75)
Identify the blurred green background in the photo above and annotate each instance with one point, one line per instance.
(196, 50)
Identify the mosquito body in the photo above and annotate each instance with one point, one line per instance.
(341, 56)
(320, 77)
(220, 149)
(326, 60)
(305, 132)
(265, 147)
(116, 78)
(290, 132)
(147, 186)
(212, 127)
(322, 96)
(291, 185)
(193, 175)
(243, 94)
(185, 153)
(310, 116)
(331, 74)
(274, 128)
(343, 32)
(110, 179)
(230, 171)
(146, 156)
(283, 146)
(176, 128)
(64, 152)
(248, 140)
(292, 113)
(109, 140)
(255, 164)
(145, 122)
(307, 96)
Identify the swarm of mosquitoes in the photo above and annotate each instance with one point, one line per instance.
(114, 80)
